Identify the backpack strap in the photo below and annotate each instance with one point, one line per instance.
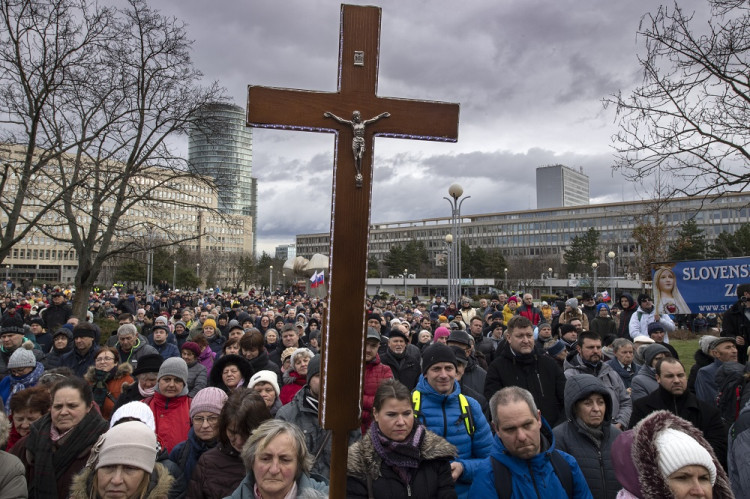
(416, 401)
(503, 479)
(466, 415)
(563, 471)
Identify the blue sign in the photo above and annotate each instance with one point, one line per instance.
(698, 286)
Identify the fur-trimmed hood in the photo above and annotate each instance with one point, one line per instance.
(363, 459)
(645, 456)
(123, 370)
(158, 487)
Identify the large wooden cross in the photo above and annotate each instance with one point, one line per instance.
(356, 114)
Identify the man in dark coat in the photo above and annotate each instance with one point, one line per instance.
(672, 395)
(404, 362)
(57, 313)
(736, 322)
(517, 363)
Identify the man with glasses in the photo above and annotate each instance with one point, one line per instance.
(645, 315)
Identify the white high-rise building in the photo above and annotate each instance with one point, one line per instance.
(558, 186)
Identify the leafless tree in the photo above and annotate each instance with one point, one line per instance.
(689, 118)
(124, 176)
(45, 49)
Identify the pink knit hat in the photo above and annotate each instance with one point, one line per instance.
(442, 332)
(209, 399)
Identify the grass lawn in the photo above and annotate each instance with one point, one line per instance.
(685, 348)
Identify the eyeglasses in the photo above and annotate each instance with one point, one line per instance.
(199, 420)
(103, 359)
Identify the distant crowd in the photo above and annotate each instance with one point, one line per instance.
(213, 395)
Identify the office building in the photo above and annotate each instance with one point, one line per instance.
(545, 234)
(558, 186)
(225, 154)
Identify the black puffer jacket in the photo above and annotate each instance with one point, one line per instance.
(593, 457)
(538, 374)
(431, 480)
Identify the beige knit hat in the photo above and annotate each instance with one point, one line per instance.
(131, 444)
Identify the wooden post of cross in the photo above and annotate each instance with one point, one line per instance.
(343, 337)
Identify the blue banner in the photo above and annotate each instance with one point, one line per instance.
(698, 286)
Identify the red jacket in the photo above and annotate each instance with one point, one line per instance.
(375, 373)
(532, 313)
(172, 418)
(289, 390)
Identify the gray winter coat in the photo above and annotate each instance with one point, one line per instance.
(643, 383)
(307, 488)
(738, 456)
(622, 404)
(306, 418)
(595, 460)
(197, 378)
(12, 477)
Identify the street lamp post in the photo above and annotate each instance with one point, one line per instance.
(7, 278)
(198, 273)
(594, 266)
(451, 270)
(456, 191)
(549, 278)
(174, 274)
(270, 278)
(505, 281)
(611, 256)
(406, 271)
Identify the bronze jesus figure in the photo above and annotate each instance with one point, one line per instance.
(358, 142)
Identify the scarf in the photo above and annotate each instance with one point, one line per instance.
(146, 393)
(595, 434)
(100, 385)
(24, 382)
(402, 457)
(51, 461)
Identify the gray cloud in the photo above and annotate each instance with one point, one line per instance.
(529, 75)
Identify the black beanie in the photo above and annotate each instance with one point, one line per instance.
(435, 353)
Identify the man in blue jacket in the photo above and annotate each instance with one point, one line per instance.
(440, 405)
(523, 462)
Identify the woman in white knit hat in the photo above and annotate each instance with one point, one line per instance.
(123, 464)
(665, 456)
(266, 384)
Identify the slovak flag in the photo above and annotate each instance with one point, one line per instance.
(314, 280)
(605, 295)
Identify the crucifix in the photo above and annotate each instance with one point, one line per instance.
(343, 333)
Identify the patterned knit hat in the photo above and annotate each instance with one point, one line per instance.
(265, 377)
(677, 449)
(22, 357)
(134, 410)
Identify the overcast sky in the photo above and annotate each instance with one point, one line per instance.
(529, 75)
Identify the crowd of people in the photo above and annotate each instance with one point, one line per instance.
(208, 395)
